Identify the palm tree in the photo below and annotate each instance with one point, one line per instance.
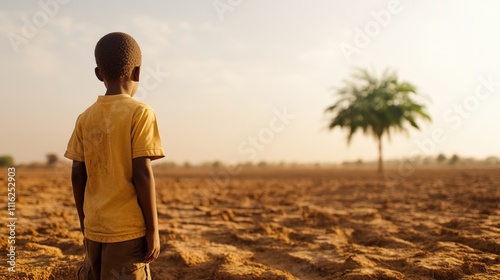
(376, 106)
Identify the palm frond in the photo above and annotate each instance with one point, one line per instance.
(376, 106)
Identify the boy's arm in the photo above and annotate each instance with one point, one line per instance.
(145, 188)
(79, 180)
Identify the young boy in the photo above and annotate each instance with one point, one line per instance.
(112, 146)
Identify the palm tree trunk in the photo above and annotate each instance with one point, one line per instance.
(380, 161)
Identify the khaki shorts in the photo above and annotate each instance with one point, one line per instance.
(110, 261)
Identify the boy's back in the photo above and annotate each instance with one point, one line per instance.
(112, 131)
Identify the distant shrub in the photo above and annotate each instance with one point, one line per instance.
(441, 158)
(454, 160)
(52, 159)
(6, 161)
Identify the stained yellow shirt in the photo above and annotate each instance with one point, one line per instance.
(107, 136)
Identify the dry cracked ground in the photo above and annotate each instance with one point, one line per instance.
(283, 223)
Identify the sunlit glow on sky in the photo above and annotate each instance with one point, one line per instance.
(249, 80)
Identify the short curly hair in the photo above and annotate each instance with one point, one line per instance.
(116, 55)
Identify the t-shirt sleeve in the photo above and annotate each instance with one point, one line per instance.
(146, 140)
(74, 150)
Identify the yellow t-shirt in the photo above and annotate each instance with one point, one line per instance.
(107, 136)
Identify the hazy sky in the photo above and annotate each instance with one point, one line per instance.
(249, 80)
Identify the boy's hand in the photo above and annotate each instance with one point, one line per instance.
(145, 188)
(79, 181)
(153, 240)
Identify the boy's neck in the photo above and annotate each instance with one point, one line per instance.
(119, 87)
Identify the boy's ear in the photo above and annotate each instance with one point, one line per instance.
(98, 74)
(136, 72)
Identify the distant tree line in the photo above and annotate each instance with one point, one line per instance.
(51, 160)
(439, 160)
(6, 161)
(442, 159)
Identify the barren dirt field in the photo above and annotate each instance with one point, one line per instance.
(290, 223)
